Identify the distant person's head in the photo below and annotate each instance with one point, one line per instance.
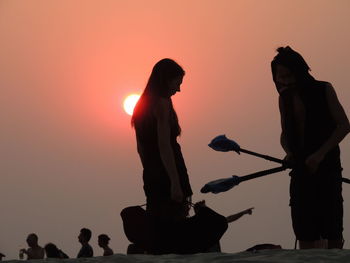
(32, 240)
(52, 251)
(103, 240)
(289, 69)
(85, 235)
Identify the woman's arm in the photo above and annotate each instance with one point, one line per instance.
(341, 130)
(139, 149)
(162, 113)
(237, 216)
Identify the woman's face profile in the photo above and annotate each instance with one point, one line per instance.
(174, 85)
(284, 77)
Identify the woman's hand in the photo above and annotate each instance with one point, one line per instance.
(313, 161)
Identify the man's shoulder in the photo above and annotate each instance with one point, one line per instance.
(88, 246)
(323, 84)
(86, 250)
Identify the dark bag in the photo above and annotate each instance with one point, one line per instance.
(199, 233)
(135, 224)
(195, 234)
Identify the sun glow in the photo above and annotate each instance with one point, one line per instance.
(130, 102)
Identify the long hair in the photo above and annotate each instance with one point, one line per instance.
(157, 86)
(52, 251)
(292, 60)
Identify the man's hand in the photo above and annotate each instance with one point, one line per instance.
(313, 161)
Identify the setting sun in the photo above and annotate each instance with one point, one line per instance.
(130, 102)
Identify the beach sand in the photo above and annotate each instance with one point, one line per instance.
(262, 256)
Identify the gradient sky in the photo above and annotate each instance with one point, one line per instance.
(67, 151)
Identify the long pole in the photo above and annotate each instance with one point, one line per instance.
(266, 157)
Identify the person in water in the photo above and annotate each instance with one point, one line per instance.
(166, 182)
(313, 124)
(103, 241)
(52, 251)
(86, 250)
(34, 251)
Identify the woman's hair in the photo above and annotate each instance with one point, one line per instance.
(52, 251)
(157, 86)
(164, 71)
(292, 60)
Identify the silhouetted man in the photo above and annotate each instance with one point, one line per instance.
(313, 124)
(34, 251)
(86, 250)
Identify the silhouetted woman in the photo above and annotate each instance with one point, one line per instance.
(53, 252)
(313, 124)
(166, 182)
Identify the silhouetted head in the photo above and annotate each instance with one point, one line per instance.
(103, 240)
(32, 240)
(85, 235)
(164, 82)
(52, 251)
(165, 79)
(289, 69)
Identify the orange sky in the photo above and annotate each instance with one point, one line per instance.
(68, 153)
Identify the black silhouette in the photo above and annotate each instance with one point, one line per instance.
(103, 241)
(52, 251)
(313, 124)
(196, 234)
(223, 144)
(86, 250)
(165, 177)
(237, 216)
(34, 251)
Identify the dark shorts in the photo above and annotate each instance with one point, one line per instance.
(317, 205)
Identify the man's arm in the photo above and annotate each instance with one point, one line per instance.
(237, 216)
(340, 118)
(341, 130)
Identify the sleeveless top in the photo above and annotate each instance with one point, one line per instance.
(318, 126)
(155, 177)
